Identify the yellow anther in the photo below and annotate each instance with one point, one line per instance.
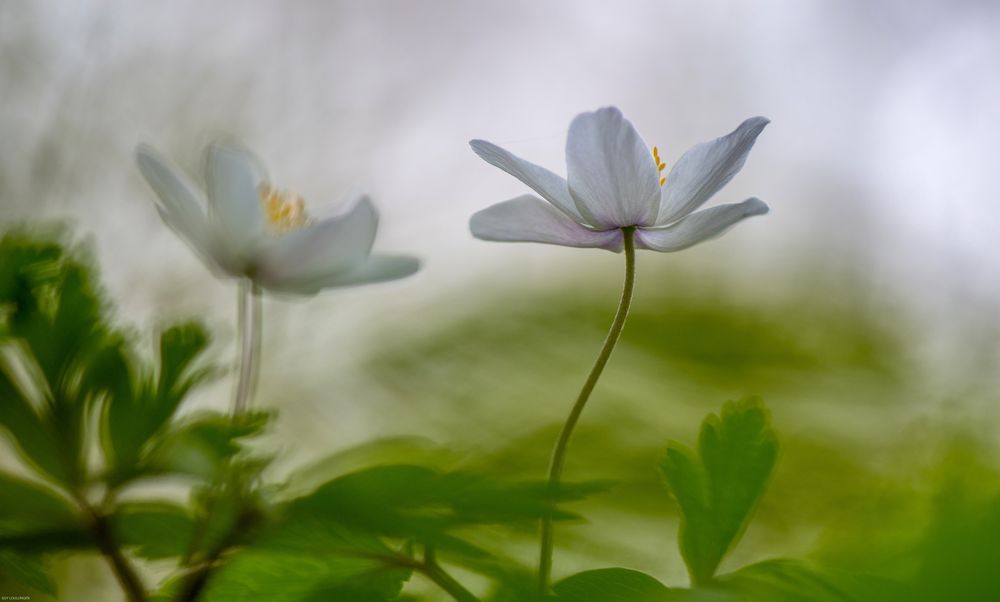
(660, 165)
(284, 211)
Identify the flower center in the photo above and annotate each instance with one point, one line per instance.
(660, 165)
(284, 211)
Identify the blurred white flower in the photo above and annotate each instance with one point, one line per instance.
(614, 182)
(242, 226)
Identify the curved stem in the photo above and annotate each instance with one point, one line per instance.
(249, 319)
(559, 452)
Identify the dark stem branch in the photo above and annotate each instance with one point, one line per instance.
(433, 571)
(104, 536)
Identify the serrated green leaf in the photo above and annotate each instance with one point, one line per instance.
(138, 435)
(719, 487)
(180, 346)
(54, 311)
(33, 438)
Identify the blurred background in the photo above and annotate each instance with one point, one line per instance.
(863, 308)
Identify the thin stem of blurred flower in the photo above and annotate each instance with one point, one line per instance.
(249, 323)
(559, 452)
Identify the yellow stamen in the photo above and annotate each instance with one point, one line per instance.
(284, 211)
(660, 165)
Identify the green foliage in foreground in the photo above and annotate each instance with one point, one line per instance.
(95, 418)
(719, 486)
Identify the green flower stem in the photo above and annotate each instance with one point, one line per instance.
(559, 452)
(249, 321)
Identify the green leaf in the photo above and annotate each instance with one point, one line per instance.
(288, 577)
(420, 503)
(33, 438)
(627, 585)
(27, 506)
(786, 580)
(389, 450)
(228, 512)
(201, 445)
(26, 570)
(180, 346)
(351, 515)
(140, 407)
(53, 311)
(375, 586)
(35, 519)
(46, 540)
(719, 487)
(156, 529)
(612, 585)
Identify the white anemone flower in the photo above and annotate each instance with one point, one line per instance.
(614, 181)
(241, 226)
(615, 197)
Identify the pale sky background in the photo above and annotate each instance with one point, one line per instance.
(879, 159)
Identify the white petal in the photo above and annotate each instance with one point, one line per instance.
(376, 268)
(180, 206)
(706, 168)
(234, 177)
(530, 219)
(336, 243)
(611, 172)
(550, 186)
(176, 193)
(699, 226)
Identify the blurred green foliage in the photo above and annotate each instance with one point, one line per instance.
(97, 424)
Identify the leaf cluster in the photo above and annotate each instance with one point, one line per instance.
(89, 417)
